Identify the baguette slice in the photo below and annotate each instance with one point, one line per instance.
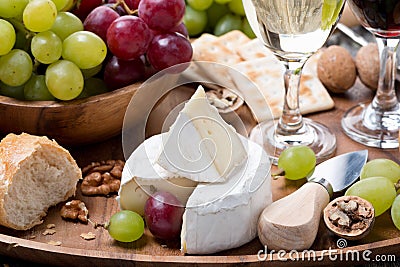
(35, 174)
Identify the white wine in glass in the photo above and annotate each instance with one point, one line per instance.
(376, 124)
(293, 30)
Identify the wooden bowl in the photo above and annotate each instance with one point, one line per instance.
(75, 122)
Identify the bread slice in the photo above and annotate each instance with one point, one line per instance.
(35, 174)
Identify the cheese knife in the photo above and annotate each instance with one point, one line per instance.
(291, 223)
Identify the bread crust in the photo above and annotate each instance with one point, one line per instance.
(14, 150)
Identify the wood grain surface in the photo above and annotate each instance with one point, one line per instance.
(32, 245)
(81, 121)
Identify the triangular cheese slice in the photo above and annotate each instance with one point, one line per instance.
(200, 145)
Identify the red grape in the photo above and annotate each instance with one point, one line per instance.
(128, 37)
(162, 15)
(84, 7)
(119, 73)
(99, 20)
(163, 215)
(168, 49)
(180, 28)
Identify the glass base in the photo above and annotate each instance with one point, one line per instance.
(313, 134)
(362, 124)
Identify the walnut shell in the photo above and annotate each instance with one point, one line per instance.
(367, 63)
(336, 69)
(350, 217)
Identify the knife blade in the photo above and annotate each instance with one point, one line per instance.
(291, 223)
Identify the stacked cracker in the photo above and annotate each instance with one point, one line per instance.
(259, 65)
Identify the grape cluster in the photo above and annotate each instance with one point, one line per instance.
(152, 40)
(45, 53)
(67, 49)
(216, 17)
(378, 183)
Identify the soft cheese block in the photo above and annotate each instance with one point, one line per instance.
(200, 145)
(142, 177)
(222, 216)
(218, 216)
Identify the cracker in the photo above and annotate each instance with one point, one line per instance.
(313, 95)
(206, 48)
(233, 40)
(235, 53)
(267, 75)
(266, 89)
(254, 49)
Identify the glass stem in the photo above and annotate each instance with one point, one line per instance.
(291, 120)
(385, 98)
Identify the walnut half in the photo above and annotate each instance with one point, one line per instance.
(75, 209)
(102, 178)
(350, 217)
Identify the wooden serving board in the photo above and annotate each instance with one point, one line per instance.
(32, 245)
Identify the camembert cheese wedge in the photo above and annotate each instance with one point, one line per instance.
(221, 216)
(142, 177)
(218, 216)
(200, 145)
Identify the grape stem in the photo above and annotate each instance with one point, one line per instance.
(96, 224)
(278, 173)
(20, 27)
(126, 7)
(36, 65)
(397, 185)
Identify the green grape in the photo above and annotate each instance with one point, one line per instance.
(16, 92)
(64, 80)
(200, 5)
(46, 47)
(7, 37)
(246, 28)
(88, 73)
(214, 13)
(222, 2)
(380, 191)
(15, 67)
(195, 21)
(69, 5)
(395, 212)
(236, 6)
(21, 41)
(36, 89)
(12, 8)
(85, 49)
(227, 23)
(66, 24)
(381, 167)
(126, 226)
(39, 15)
(297, 162)
(60, 4)
(330, 13)
(93, 86)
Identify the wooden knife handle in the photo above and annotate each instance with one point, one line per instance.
(291, 223)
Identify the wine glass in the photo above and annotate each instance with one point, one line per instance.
(293, 30)
(377, 124)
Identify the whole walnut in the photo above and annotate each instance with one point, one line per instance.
(336, 69)
(367, 62)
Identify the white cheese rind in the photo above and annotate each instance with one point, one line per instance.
(222, 216)
(200, 145)
(142, 176)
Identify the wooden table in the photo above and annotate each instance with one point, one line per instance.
(383, 240)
